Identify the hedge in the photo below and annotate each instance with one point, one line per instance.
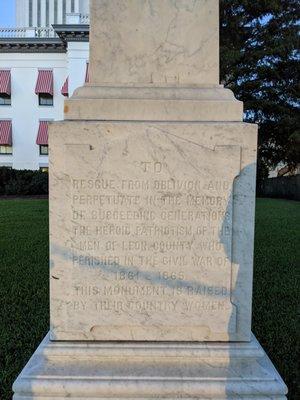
(23, 182)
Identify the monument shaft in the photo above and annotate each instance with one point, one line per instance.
(155, 42)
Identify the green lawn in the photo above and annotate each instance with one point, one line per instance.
(277, 285)
(24, 311)
(24, 308)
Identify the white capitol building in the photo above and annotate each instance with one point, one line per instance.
(42, 60)
(42, 13)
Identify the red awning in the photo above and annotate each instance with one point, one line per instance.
(5, 82)
(5, 133)
(42, 136)
(87, 73)
(44, 83)
(65, 88)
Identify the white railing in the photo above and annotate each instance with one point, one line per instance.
(85, 19)
(45, 33)
(27, 33)
(41, 32)
(13, 32)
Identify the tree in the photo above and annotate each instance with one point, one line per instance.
(260, 63)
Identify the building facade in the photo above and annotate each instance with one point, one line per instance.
(44, 13)
(39, 66)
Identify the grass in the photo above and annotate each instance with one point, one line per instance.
(24, 292)
(276, 286)
(24, 311)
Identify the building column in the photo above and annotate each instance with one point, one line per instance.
(34, 13)
(20, 13)
(59, 11)
(77, 6)
(84, 7)
(64, 11)
(25, 11)
(51, 12)
(43, 12)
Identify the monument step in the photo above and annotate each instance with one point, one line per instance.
(133, 370)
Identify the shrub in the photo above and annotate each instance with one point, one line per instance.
(23, 182)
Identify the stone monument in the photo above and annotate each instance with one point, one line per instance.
(152, 196)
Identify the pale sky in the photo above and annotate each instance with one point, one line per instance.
(7, 13)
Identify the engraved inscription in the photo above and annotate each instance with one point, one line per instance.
(151, 238)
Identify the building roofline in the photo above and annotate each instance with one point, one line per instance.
(72, 33)
(32, 45)
(65, 33)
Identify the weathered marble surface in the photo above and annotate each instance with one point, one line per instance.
(151, 230)
(68, 370)
(155, 42)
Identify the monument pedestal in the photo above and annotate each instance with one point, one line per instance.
(153, 370)
(144, 219)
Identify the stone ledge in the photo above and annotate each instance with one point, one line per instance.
(147, 103)
(131, 370)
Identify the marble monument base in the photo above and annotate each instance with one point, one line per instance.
(148, 370)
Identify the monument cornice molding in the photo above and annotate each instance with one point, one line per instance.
(153, 103)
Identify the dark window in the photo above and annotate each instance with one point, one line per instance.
(30, 12)
(38, 12)
(5, 99)
(72, 6)
(44, 169)
(43, 150)
(64, 10)
(47, 12)
(55, 11)
(45, 99)
(5, 149)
